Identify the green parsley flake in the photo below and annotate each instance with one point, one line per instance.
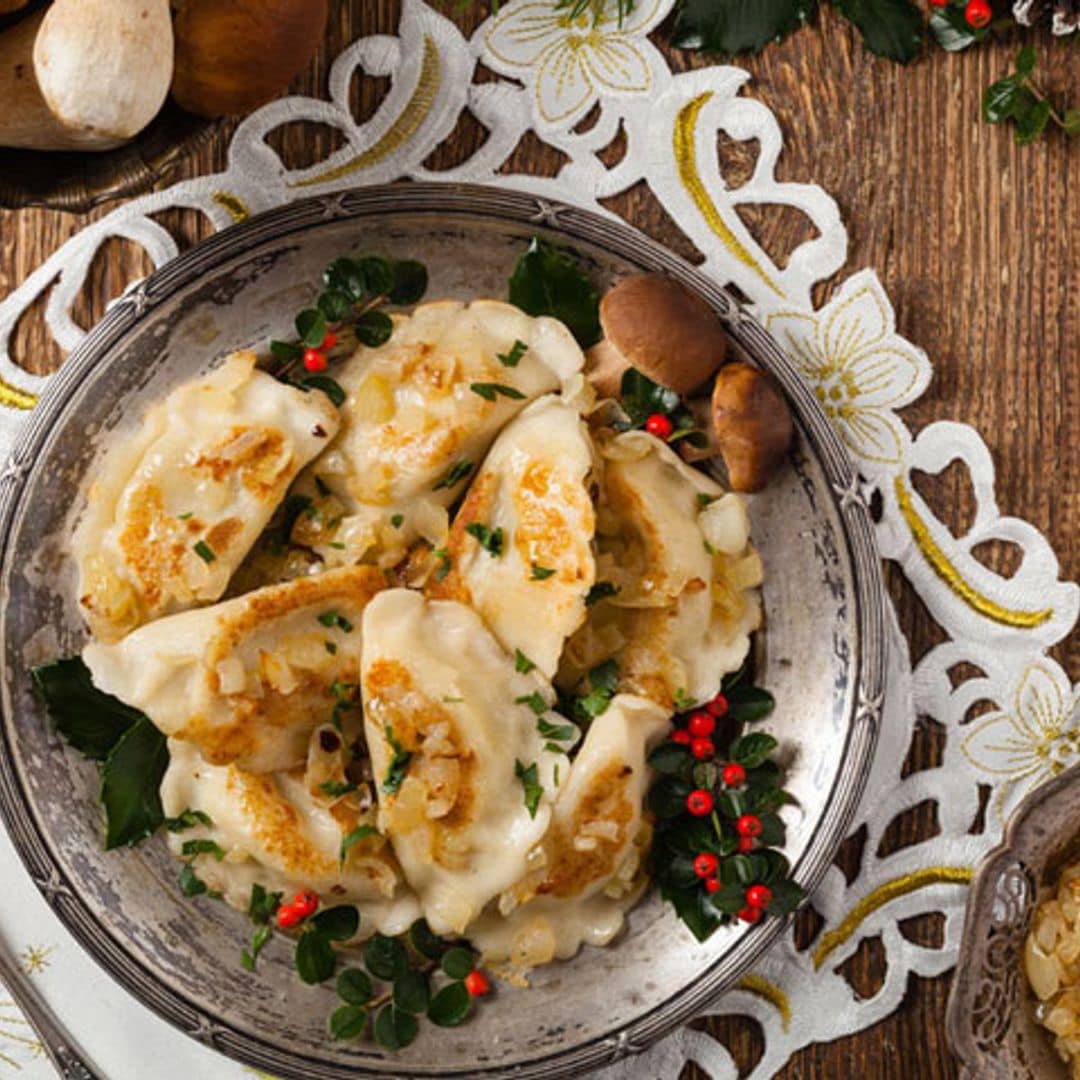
(603, 681)
(453, 700)
(530, 781)
(456, 473)
(185, 516)
(522, 663)
(204, 551)
(188, 819)
(444, 563)
(600, 591)
(399, 764)
(683, 701)
(490, 390)
(541, 573)
(331, 648)
(334, 789)
(560, 732)
(397, 520)
(202, 847)
(491, 540)
(358, 834)
(535, 702)
(334, 618)
(513, 357)
(704, 500)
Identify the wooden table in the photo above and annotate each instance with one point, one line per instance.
(976, 242)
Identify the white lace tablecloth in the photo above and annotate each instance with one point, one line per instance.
(555, 71)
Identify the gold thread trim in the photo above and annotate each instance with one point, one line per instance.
(884, 894)
(14, 398)
(943, 567)
(685, 148)
(770, 992)
(404, 127)
(233, 205)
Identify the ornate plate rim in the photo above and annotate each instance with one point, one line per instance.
(566, 223)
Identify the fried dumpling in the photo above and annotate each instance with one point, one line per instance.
(420, 414)
(246, 680)
(520, 550)
(680, 574)
(590, 868)
(177, 507)
(272, 831)
(463, 751)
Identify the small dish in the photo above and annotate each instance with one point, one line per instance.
(990, 1020)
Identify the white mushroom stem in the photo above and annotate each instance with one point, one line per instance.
(85, 75)
(605, 367)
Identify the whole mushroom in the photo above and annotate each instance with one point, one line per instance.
(659, 327)
(747, 422)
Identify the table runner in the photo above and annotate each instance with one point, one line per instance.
(1010, 715)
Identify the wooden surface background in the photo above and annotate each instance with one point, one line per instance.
(977, 242)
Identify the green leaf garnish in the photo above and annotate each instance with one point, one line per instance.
(394, 1028)
(410, 282)
(334, 789)
(491, 540)
(683, 701)
(399, 764)
(600, 591)
(130, 782)
(890, 28)
(288, 352)
(334, 618)
(347, 1022)
(374, 328)
(456, 473)
(412, 992)
(397, 520)
(444, 563)
(458, 962)
(385, 957)
(204, 551)
(547, 281)
(425, 942)
(202, 847)
(603, 682)
(361, 832)
(523, 665)
(330, 387)
(263, 904)
(451, 1006)
(190, 883)
(335, 304)
(535, 701)
(541, 573)
(188, 819)
(530, 781)
(559, 732)
(489, 391)
(354, 987)
(337, 923)
(378, 275)
(259, 938)
(311, 327)
(315, 957)
(347, 275)
(513, 357)
(735, 26)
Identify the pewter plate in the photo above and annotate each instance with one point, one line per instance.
(990, 1020)
(822, 657)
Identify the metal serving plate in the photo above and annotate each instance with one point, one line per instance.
(823, 657)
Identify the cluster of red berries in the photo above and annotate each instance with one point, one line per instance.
(315, 359)
(977, 13)
(304, 904)
(699, 728)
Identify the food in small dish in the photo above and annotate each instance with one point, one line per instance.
(390, 628)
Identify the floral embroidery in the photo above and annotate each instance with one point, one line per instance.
(17, 1042)
(1034, 740)
(568, 61)
(859, 367)
(35, 958)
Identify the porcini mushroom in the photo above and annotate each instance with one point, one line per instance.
(85, 74)
(747, 422)
(658, 326)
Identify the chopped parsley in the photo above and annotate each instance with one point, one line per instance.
(541, 573)
(185, 516)
(331, 648)
(603, 681)
(444, 563)
(530, 781)
(358, 834)
(704, 500)
(399, 763)
(259, 938)
(397, 520)
(453, 700)
(190, 882)
(203, 847)
(335, 618)
(683, 701)
(600, 591)
(522, 663)
(490, 390)
(535, 702)
(554, 748)
(334, 789)
(708, 547)
(187, 820)
(204, 551)
(456, 473)
(491, 540)
(513, 357)
(560, 732)
(337, 545)
(263, 904)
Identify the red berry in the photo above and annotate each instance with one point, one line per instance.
(938, 3)
(329, 341)
(699, 802)
(288, 916)
(681, 736)
(305, 902)
(978, 13)
(748, 825)
(712, 884)
(702, 749)
(746, 843)
(718, 706)
(759, 896)
(314, 360)
(705, 865)
(733, 775)
(701, 724)
(750, 914)
(659, 425)
(476, 982)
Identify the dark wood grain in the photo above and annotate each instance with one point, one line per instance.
(977, 242)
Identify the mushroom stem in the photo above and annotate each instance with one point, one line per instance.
(604, 368)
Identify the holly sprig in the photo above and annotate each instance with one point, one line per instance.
(718, 830)
(1017, 99)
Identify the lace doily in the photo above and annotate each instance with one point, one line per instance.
(994, 662)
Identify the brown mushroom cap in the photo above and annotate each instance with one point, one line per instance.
(752, 425)
(658, 326)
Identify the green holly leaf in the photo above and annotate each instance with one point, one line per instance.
(890, 28)
(1071, 122)
(547, 281)
(751, 750)
(1031, 122)
(130, 782)
(692, 907)
(670, 759)
(450, 1006)
(786, 897)
(1025, 61)
(951, 29)
(667, 797)
(347, 1022)
(772, 831)
(734, 26)
(747, 704)
(730, 898)
(1000, 99)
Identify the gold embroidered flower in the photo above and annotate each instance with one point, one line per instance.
(1035, 739)
(568, 60)
(859, 367)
